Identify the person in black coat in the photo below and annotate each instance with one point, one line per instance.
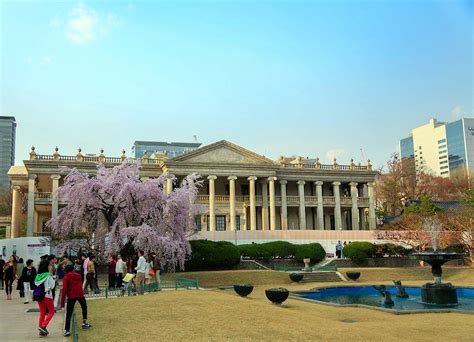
(28, 276)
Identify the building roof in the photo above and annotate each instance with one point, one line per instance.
(164, 143)
(12, 118)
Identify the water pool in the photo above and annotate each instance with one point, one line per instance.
(368, 296)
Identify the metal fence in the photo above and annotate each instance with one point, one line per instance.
(165, 283)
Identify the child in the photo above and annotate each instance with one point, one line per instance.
(72, 289)
(28, 276)
(44, 278)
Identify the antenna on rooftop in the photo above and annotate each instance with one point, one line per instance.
(195, 138)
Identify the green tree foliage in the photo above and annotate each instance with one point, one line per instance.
(426, 206)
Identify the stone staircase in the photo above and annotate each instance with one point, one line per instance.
(322, 277)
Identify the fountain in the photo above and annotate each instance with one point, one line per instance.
(437, 292)
(383, 291)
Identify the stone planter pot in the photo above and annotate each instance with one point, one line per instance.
(306, 263)
(278, 295)
(296, 277)
(243, 290)
(353, 275)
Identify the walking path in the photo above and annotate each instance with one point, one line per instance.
(18, 325)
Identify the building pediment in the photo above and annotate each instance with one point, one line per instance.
(223, 152)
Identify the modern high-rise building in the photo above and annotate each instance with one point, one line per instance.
(441, 148)
(172, 149)
(7, 148)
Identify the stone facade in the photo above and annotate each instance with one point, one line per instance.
(242, 190)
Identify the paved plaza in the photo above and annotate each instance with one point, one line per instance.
(18, 325)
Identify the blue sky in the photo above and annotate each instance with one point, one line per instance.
(313, 78)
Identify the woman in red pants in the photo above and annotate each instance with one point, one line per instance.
(44, 283)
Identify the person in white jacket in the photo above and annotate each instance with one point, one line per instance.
(46, 305)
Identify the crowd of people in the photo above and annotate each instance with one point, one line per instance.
(40, 283)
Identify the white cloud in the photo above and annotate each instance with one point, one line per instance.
(457, 113)
(335, 153)
(84, 24)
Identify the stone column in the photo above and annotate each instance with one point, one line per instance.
(362, 218)
(169, 185)
(337, 206)
(55, 195)
(284, 208)
(372, 221)
(355, 207)
(253, 209)
(30, 219)
(319, 194)
(302, 205)
(232, 201)
(271, 190)
(15, 230)
(264, 204)
(212, 214)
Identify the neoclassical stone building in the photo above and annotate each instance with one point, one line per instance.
(242, 190)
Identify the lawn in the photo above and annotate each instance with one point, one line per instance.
(221, 315)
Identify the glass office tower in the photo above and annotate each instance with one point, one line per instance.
(7, 148)
(406, 148)
(173, 149)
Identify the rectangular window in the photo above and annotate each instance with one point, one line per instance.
(443, 157)
(244, 188)
(197, 222)
(220, 222)
(444, 167)
(237, 222)
(442, 151)
(441, 141)
(444, 162)
(444, 172)
(442, 146)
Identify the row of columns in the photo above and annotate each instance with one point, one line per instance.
(269, 206)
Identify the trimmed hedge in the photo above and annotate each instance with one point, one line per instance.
(359, 251)
(314, 251)
(212, 255)
(265, 251)
(391, 250)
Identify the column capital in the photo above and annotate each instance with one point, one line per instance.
(32, 176)
(272, 179)
(56, 177)
(16, 187)
(212, 177)
(301, 182)
(336, 183)
(318, 183)
(283, 182)
(232, 178)
(353, 184)
(252, 178)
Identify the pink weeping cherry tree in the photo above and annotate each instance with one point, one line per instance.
(114, 208)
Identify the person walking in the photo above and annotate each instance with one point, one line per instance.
(120, 270)
(2, 263)
(53, 269)
(90, 274)
(42, 293)
(28, 277)
(9, 274)
(85, 263)
(141, 269)
(339, 250)
(19, 271)
(111, 272)
(72, 290)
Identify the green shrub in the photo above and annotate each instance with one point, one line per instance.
(314, 251)
(359, 251)
(212, 255)
(456, 248)
(268, 250)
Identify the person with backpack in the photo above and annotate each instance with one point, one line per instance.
(28, 276)
(72, 290)
(42, 293)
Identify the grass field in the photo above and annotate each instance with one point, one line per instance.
(215, 315)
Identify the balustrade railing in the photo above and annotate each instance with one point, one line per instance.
(43, 195)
